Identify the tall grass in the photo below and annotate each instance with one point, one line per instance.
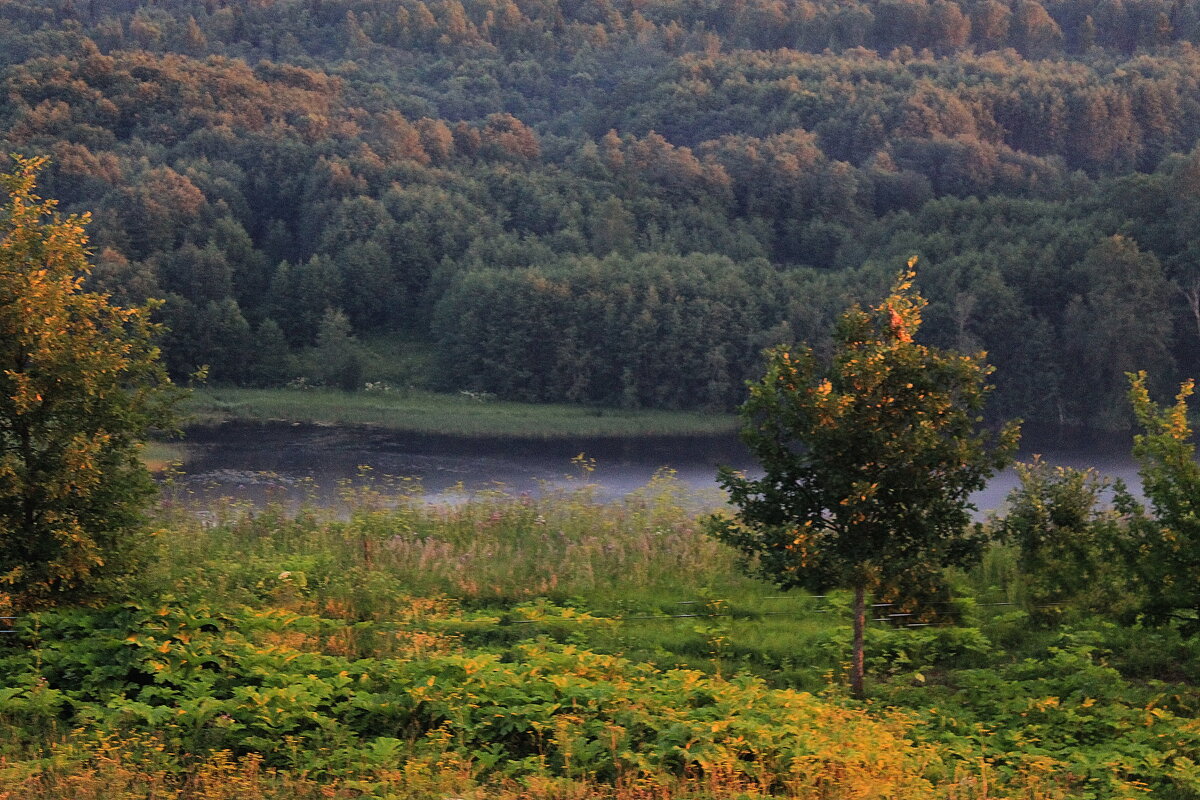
(649, 582)
(519, 648)
(492, 549)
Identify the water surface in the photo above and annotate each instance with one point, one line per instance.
(254, 462)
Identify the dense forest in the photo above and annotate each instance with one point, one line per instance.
(623, 202)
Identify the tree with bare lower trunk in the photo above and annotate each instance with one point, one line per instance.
(869, 461)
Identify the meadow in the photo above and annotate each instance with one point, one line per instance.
(557, 647)
(462, 414)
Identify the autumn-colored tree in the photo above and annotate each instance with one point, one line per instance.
(869, 462)
(1163, 545)
(80, 386)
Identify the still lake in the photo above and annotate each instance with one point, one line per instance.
(254, 462)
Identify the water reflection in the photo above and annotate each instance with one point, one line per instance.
(305, 463)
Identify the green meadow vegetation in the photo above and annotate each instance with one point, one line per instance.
(557, 647)
(460, 414)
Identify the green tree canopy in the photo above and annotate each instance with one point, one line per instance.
(869, 460)
(81, 384)
(1163, 547)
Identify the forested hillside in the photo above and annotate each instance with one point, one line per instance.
(624, 202)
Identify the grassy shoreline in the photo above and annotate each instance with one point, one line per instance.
(445, 414)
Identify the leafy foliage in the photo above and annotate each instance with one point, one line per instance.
(409, 163)
(203, 681)
(80, 388)
(282, 655)
(869, 462)
(1165, 546)
(1070, 545)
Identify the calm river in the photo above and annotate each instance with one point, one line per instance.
(255, 462)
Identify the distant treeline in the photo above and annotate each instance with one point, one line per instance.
(622, 203)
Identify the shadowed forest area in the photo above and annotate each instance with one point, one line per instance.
(622, 203)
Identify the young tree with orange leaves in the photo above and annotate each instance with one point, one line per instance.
(870, 461)
(1162, 545)
(80, 387)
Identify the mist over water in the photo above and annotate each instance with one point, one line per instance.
(255, 463)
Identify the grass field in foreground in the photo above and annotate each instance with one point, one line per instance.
(450, 414)
(560, 648)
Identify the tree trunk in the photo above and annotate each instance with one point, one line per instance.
(1192, 295)
(860, 622)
